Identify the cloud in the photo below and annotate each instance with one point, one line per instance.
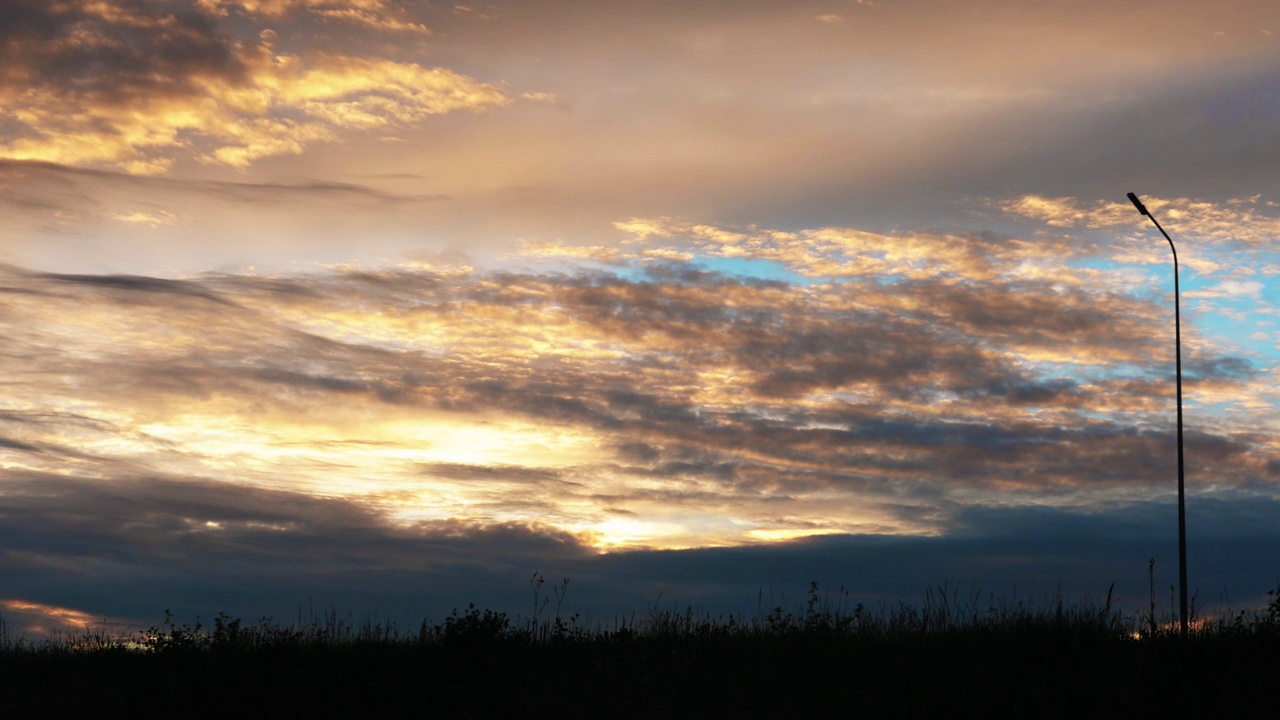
(376, 14)
(1243, 221)
(192, 545)
(45, 205)
(849, 253)
(1063, 212)
(155, 219)
(139, 87)
(676, 409)
(543, 98)
(132, 285)
(341, 94)
(1230, 289)
(25, 619)
(556, 249)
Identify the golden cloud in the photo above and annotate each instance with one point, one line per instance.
(1247, 220)
(557, 249)
(245, 120)
(169, 89)
(835, 252)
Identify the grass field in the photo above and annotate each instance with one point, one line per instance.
(946, 654)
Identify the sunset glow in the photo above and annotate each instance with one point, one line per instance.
(436, 295)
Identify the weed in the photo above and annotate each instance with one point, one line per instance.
(474, 627)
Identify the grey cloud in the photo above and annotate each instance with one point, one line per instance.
(796, 349)
(1202, 125)
(198, 546)
(1005, 554)
(18, 445)
(301, 189)
(145, 285)
(275, 289)
(903, 358)
(1219, 368)
(138, 50)
(638, 451)
(1039, 313)
(143, 546)
(1060, 392)
(47, 185)
(520, 475)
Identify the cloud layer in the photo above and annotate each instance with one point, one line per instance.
(895, 386)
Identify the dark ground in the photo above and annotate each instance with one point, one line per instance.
(629, 676)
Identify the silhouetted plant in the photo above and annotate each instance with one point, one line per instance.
(1030, 656)
(171, 638)
(475, 627)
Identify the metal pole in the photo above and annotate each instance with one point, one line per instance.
(1182, 504)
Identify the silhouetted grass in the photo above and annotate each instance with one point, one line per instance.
(950, 651)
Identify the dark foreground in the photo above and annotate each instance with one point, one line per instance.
(1051, 662)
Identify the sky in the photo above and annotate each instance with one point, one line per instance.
(383, 307)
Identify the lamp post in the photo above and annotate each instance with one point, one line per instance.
(1182, 505)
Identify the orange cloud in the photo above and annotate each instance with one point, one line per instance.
(27, 617)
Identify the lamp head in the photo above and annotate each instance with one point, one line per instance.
(1138, 204)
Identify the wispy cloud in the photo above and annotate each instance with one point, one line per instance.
(841, 252)
(40, 619)
(153, 219)
(377, 14)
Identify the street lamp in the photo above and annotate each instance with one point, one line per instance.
(1182, 505)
